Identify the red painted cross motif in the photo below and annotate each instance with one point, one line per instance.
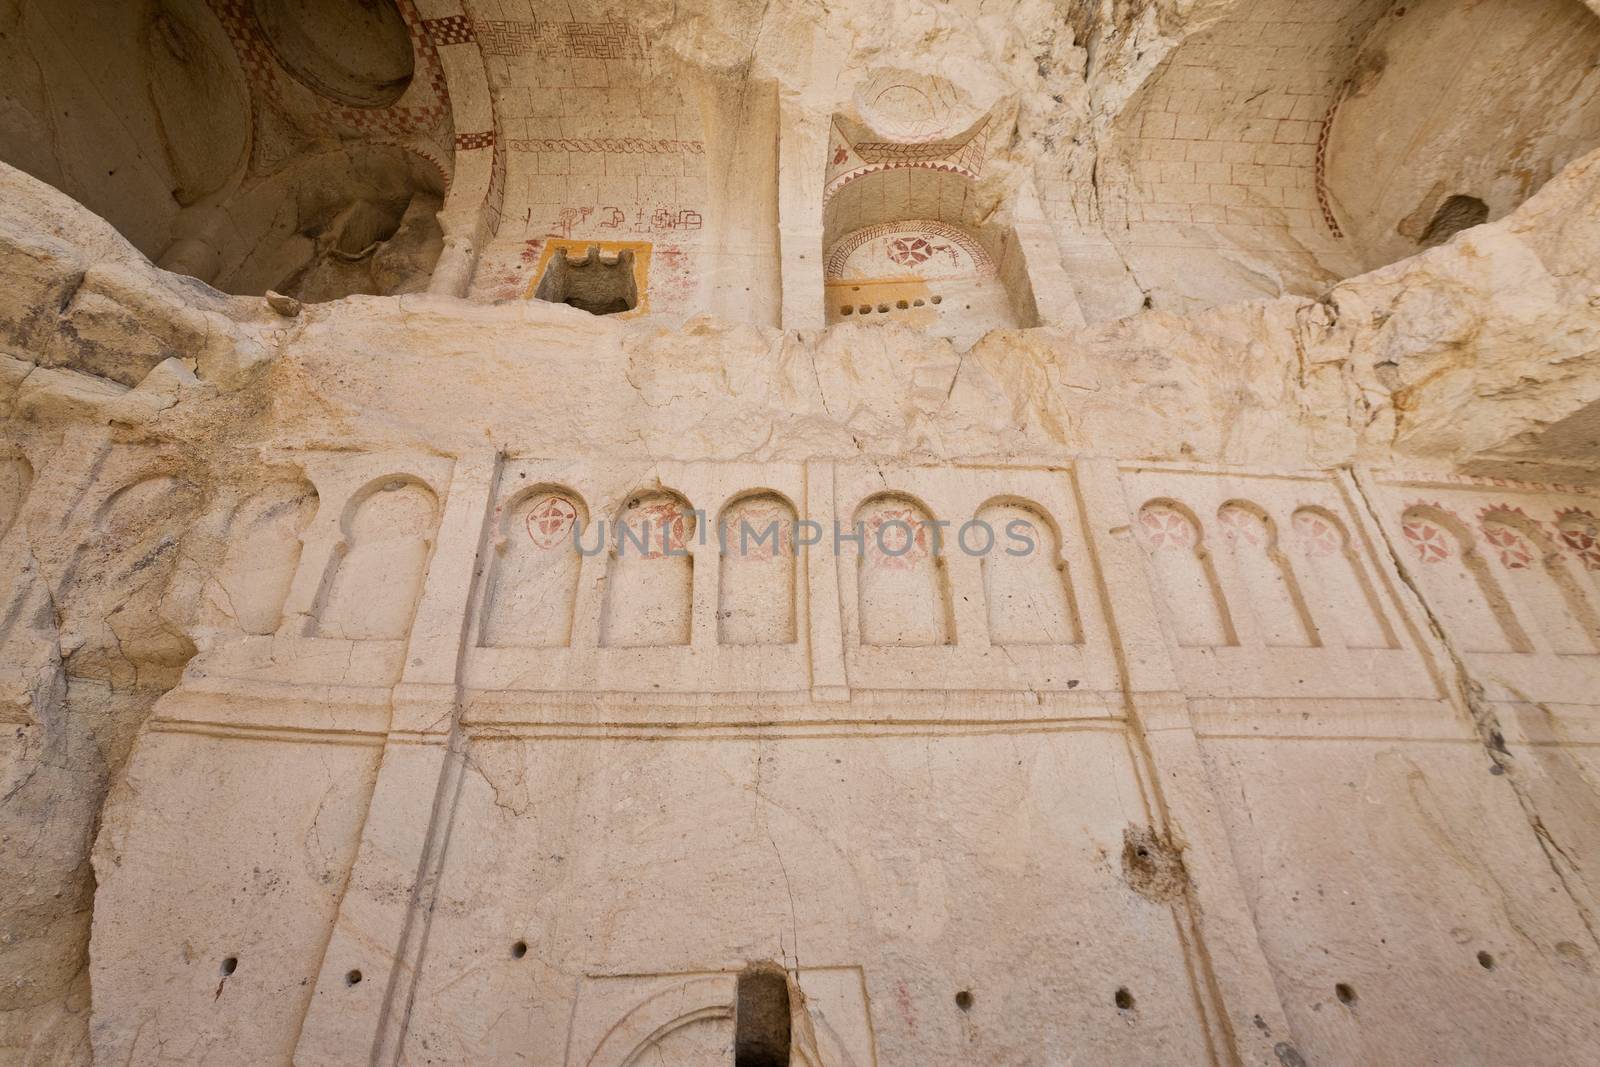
(1430, 541)
(1580, 532)
(1240, 524)
(909, 251)
(1166, 528)
(550, 520)
(1318, 538)
(1515, 552)
(897, 539)
(665, 526)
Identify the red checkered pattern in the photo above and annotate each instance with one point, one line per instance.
(238, 20)
(421, 126)
(454, 29)
(427, 117)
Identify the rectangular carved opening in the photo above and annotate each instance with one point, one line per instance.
(600, 286)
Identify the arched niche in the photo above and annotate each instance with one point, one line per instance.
(1027, 590)
(902, 592)
(110, 600)
(649, 597)
(148, 509)
(1338, 590)
(262, 555)
(1283, 146)
(1463, 594)
(1208, 190)
(1454, 114)
(914, 245)
(357, 52)
(1580, 534)
(1193, 598)
(1539, 583)
(377, 573)
(16, 478)
(1269, 583)
(756, 572)
(532, 588)
(696, 1021)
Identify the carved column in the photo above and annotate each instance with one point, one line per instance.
(369, 968)
(1233, 980)
(1054, 296)
(802, 157)
(821, 568)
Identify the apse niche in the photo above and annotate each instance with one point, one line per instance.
(1455, 114)
(250, 175)
(908, 236)
(1287, 145)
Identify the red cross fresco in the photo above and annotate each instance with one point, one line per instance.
(549, 521)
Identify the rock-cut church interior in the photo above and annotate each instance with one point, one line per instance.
(1171, 435)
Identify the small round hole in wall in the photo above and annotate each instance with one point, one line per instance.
(937, 299)
(917, 303)
(352, 978)
(964, 1000)
(865, 309)
(1486, 961)
(1345, 993)
(1123, 999)
(847, 310)
(519, 949)
(231, 964)
(883, 309)
(902, 305)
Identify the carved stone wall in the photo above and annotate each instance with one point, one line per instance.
(762, 534)
(715, 751)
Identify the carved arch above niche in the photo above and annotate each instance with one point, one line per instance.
(622, 1020)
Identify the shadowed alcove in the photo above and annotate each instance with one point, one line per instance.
(277, 144)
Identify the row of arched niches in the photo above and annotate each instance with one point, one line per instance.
(787, 577)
